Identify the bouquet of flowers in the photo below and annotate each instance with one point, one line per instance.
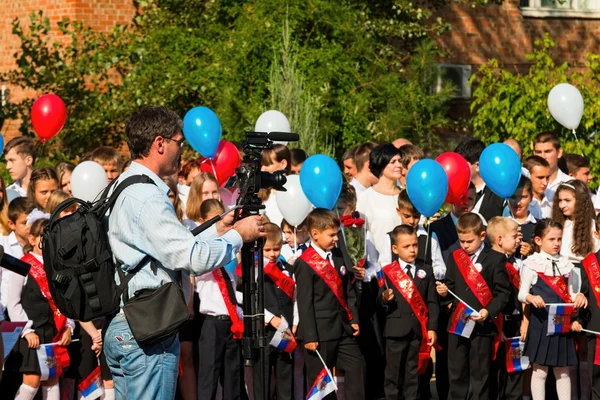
(354, 231)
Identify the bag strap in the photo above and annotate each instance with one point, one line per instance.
(106, 202)
(125, 279)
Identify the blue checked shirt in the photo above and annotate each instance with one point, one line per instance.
(143, 221)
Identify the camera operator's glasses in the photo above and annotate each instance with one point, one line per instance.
(180, 142)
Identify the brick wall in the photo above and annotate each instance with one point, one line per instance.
(99, 14)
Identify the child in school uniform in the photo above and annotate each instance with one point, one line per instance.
(503, 234)
(280, 292)
(29, 299)
(412, 309)
(327, 306)
(297, 240)
(547, 277)
(519, 211)
(476, 274)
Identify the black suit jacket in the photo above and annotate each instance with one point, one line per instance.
(589, 317)
(492, 205)
(322, 318)
(401, 320)
(495, 275)
(276, 301)
(513, 303)
(445, 231)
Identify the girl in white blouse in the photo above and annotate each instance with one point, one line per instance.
(547, 278)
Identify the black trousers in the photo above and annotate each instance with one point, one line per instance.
(594, 369)
(345, 356)
(469, 364)
(220, 360)
(401, 378)
(442, 382)
(502, 384)
(282, 366)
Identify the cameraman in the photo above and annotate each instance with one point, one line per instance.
(143, 222)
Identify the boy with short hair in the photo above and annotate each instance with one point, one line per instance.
(547, 146)
(300, 238)
(503, 234)
(409, 155)
(348, 163)
(519, 206)
(298, 158)
(327, 306)
(279, 288)
(579, 167)
(20, 159)
(476, 274)
(412, 309)
(539, 173)
(364, 178)
(110, 160)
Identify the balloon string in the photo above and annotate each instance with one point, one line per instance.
(577, 140)
(295, 243)
(427, 240)
(212, 165)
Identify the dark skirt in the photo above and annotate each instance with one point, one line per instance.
(550, 351)
(27, 358)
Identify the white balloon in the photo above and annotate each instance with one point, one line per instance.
(293, 204)
(88, 180)
(566, 105)
(273, 121)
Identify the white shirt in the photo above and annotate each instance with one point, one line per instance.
(475, 255)
(403, 265)
(358, 187)
(211, 299)
(288, 251)
(13, 248)
(326, 255)
(567, 243)
(16, 186)
(542, 262)
(379, 212)
(552, 186)
(480, 201)
(183, 191)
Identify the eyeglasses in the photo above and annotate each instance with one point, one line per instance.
(180, 142)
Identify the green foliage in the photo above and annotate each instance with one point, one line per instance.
(513, 105)
(363, 68)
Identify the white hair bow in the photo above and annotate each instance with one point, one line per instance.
(35, 215)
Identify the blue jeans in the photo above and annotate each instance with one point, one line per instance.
(140, 371)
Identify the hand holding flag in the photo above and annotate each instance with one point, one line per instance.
(283, 339)
(559, 318)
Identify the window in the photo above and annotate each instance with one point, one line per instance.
(561, 8)
(458, 75)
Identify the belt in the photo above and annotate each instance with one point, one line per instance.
(218, 317)
(513, 317)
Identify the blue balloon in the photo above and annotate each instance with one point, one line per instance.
(202, 130)
(1, 144)
(500, 169)
(321, 181)
(427, 186)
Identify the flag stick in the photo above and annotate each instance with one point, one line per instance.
(464, 302)
(559, 304)
(327, 369)
(50, 344)
(592, 332)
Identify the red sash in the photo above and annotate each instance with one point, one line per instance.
(513, 275)
(330, 276)
(38, 273)
(558, 284)
(479, 288)
(237, 326)
(406, 286)
(592, 269)
(284, 282)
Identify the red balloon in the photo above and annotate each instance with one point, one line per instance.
(48, 116)
(224, 163)
(459, 175)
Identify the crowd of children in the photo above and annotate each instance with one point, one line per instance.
(499, 292)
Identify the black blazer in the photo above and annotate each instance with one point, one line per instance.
(401, 320)
(276, 301)
(495, 275)
(445, 231)
(589, 317)
(513, 303)
(492, 205)
(322, 318)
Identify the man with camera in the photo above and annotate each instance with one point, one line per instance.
(143, 222)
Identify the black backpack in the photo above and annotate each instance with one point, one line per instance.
(78, 259)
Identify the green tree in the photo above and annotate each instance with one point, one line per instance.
(509, 104)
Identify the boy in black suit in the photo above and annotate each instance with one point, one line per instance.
(327, 306)
(476, 274)
(412, 312)
(279, 287)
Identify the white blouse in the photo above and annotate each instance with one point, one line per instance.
(542, 263)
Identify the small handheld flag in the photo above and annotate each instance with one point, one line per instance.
(559, 318)
(91, 387)
(49, 366)
(322, 386)
(461, 323)
(515, 360)
(283, 339)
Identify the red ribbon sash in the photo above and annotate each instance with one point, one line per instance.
(479, 288)
(558, 284)
(38, 273)
(513, 275)
(284, 282)
(406, 286)
(237, 326)
(330, 276)
(592, 269)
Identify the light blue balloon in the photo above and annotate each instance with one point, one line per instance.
(427, 186)
(500, 169)
(1, 143)
(202, 130)
(231, 266)
(321, 181)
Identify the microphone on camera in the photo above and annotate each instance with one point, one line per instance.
(13, 264)
(207, 224)
(275, 136)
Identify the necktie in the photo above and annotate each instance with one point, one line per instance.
(302, 248)
(555, 268)
(408, 270)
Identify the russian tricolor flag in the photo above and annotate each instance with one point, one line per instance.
(49, 367)
(283, 339)
(460, 321)
(380, 278)
(559, 318)
(515, 360)
(91, 387)
(322, 387)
